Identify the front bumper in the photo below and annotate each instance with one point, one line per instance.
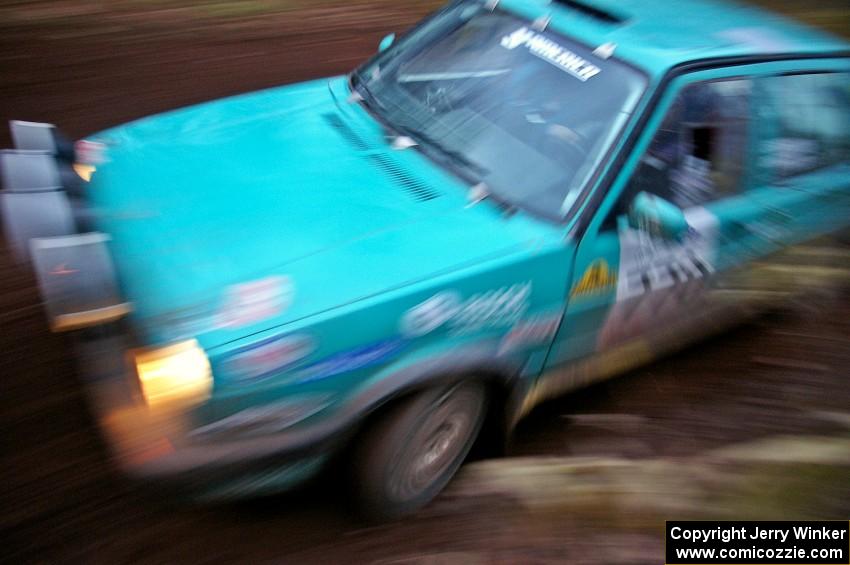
(163, 446)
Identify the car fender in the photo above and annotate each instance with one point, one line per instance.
(443, 364)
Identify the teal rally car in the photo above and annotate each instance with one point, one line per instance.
(514, 200)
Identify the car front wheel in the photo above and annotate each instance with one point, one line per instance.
(406, 457)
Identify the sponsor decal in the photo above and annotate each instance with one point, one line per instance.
(494, 309)
(267, 358)
(661, 283)
(90, 152)
(251, 302)
(351, 360)
(432, 314)
(649, 263)
(597, 279)
(533, 331)
(541, 46)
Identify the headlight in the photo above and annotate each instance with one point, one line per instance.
(84, 171)
(176, 375)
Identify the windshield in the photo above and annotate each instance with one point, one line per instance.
(530, 114)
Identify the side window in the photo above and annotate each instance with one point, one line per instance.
(806, 124)
(699, 153)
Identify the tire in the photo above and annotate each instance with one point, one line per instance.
(411, 453)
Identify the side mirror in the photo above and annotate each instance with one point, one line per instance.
(658, 217)
(386, 43)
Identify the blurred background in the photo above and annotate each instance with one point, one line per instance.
(754, 424)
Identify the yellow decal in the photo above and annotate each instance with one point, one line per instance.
(598, 279)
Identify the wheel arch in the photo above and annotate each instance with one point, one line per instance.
(500, 376)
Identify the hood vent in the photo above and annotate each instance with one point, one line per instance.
(346, 132)
(418, 190)
(414, 187)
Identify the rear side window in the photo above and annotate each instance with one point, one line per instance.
(805, 123)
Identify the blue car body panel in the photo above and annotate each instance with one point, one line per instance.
(323, 271)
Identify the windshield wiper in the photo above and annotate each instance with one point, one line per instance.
(419, 138)
(480, 191)
(456, 157)
(368, 99)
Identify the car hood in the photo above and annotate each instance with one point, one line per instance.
(289, 197)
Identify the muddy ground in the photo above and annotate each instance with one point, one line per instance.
(786, 373)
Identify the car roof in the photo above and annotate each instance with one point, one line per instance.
(659, 34)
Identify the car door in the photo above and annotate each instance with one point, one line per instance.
(637, 292)
(719, 150)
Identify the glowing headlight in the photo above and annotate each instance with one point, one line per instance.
(84, 171)
(178, 374)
